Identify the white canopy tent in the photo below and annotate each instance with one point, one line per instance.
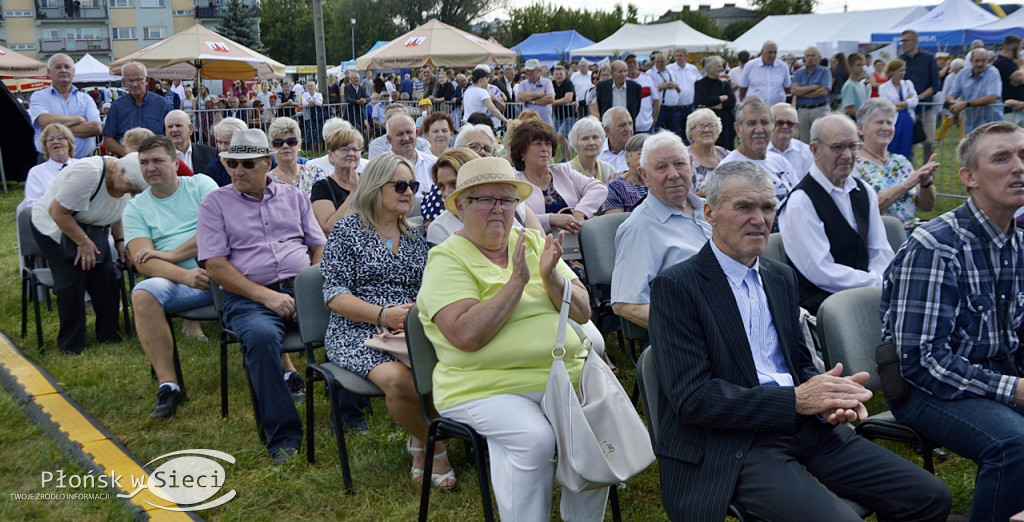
(795, 33)
(91, 70)
(943, 26)
(642, 39)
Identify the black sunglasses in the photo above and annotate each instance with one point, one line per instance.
(291, 142)
(402, 185)
(233, 163)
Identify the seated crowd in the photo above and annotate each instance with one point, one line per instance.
(472, 224)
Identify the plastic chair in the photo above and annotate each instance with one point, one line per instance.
(424, 358)
(597, 249)
(849, 328)
(775, 250)
(647, 377)
(895, 232)
(313, 317)
(32, 279)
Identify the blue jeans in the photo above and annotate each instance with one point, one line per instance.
(989, 433)
(262, 332)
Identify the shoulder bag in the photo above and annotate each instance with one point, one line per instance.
(391, 343)
(598, 433)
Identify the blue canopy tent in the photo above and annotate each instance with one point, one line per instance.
(554, 47)
(995, 32)
(943, 27)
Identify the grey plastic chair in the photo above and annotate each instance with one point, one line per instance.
(32, 279)
(313, 317)
(597, 248)
(895, 232)
(647, 377)
(850, 328)
(775, 249)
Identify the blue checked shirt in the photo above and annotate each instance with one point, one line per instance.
(953, 303)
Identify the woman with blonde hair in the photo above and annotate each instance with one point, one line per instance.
(286, 138)
(59, 151)
(373, 266)
(902, 93)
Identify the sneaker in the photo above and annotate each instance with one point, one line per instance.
(285, 455)
(167, 401)
(296, 386)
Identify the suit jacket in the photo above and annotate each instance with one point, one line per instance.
(633, 97)
(710, 405)
(202, 155)
(502, 84)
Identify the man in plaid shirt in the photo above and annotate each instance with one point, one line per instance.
(953, 304)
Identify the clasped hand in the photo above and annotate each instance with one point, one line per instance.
(837, 399)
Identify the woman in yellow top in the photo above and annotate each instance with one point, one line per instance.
(489, 302)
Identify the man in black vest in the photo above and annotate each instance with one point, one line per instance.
(830, 225)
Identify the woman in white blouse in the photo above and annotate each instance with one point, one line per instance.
(901, 92)
(59, 150)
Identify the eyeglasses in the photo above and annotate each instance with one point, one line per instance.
(278, 143)
(784, 123)
(838, 148)
(132, 81)
(402, 185)
(58, 137)
(700, 127)
(249, 164)
(488, 202)
(348, 150)
(477, 148)
(906, 41)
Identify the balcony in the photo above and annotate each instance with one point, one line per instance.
(73, 45)
(64, 11)
(217, 12)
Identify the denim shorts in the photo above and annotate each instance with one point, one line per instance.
(564, 125)
(174, 297)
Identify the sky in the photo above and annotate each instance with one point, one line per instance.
(656, 8)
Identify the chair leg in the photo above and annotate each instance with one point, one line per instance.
(24, 304)
(428, 466)
(124, 304)
(483, 478)
(613, 498)
(39, 319)
(310, 444)
(223, 375)
(339, 435)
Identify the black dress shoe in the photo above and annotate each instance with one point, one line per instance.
(284, 456)
(167, 401)
(296, 386)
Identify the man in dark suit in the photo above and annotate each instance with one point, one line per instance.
(178, 127)
(503, 84)
(617, 92)
(745, 417)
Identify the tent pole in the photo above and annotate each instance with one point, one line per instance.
(3, 171)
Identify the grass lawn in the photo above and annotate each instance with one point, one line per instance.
(113, 383)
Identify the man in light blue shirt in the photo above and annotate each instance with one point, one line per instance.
(536, 93)
(811, 86)
(666, 229)
(766, 77)
(63, 103)
(979, 91)
(140, 109)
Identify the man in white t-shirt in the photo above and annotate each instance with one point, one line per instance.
(754, 128)
(582, 83)
(650, 98)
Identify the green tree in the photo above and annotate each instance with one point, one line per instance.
(281, 23)
(238, 24)
(783, 7)
(543, 18)
(373, 23)
(699, 21)
(736, 29)
(457, 13)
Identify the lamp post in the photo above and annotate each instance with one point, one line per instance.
(353, 21)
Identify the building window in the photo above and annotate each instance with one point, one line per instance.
(151, 3)
(123, 33)
(122, 3)
(22, 47)
(154, 33)
(182, 13)
(18, 14)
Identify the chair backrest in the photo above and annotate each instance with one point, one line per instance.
(597, 244)
(311, 311)
(849, 328)
(647, 378)
(775, 250)
(422, 357)
(26, 241)
(218, 297)
(894, 231)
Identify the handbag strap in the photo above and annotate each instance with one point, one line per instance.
(563, 320)
(103, 174)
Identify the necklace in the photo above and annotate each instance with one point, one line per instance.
(883, 161)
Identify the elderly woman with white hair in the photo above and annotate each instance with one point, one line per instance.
(286, 138)
(479, 138)
(704, 128)
(586, 138)
(71, 223)
(222, 133)
(901, 189)
(478, 98)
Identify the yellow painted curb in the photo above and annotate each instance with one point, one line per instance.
(99, 450)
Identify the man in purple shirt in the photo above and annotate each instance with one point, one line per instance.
(255, 237)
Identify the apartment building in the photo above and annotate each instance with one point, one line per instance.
(107, 29)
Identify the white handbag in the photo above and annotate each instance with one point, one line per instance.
(599, 435)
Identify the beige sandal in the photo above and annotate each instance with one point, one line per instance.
(439, 480)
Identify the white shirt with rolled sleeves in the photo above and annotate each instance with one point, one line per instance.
(808, 248)
(686, 77)
(766, 81)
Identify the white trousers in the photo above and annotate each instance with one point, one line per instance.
(522, 453)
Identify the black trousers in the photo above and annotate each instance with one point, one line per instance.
(797, 477)
(70, 284)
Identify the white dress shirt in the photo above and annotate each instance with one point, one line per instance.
(686, 77)
(808, 248)
(186, 157)
(767, 81)
(618, 161)
(799, 156)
